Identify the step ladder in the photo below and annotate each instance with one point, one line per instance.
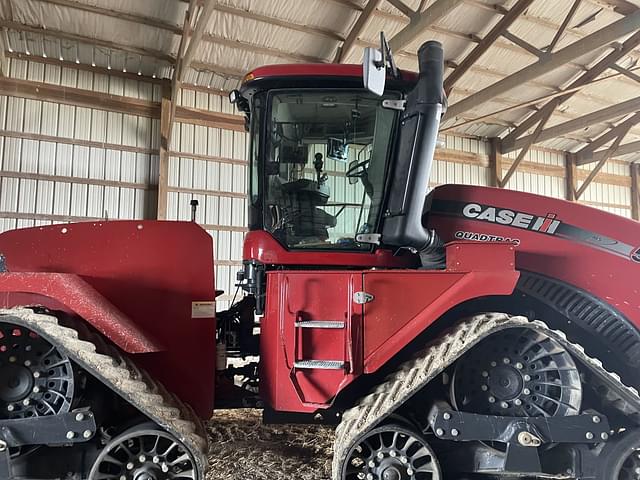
(314, 364)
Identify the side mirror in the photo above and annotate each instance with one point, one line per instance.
(374, 71)
(234, 96)
(241, 103)
(352, 165)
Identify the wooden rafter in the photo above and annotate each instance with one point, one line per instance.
(524, 45)
(564, 25)
(585, 155)
(186, 53)
(421, 21)
(523, 152)
(125, 16)
(81, 66)
(271, 20)
(635, 191)
(50, 32)
(501, 27)
(495, 162)
(626, 72)
(594, 41)
(403, 7)
(609, 153)
(218, 69)
(358, 27)
(624, 149)
(177, 30)
(571, 176)
(531, 102)
(254, 47)
(599, 116)
(508, 142)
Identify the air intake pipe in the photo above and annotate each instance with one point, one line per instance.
(415, 148)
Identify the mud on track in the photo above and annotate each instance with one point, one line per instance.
(241, 448)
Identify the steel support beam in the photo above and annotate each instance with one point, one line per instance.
(358, 27)
(594, 41)
(501, 27)
(599, 116)
(421, 21)
(587, 77)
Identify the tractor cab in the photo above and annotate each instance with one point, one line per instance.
(321, 149)
(340, 158)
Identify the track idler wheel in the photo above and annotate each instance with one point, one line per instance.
(620, 459)
(144, 453)
(36, 379)
(517, 373)
(392, 452)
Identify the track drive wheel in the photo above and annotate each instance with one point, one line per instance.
(392, 452)
(144, 453)
(36, 379)
(517, 372)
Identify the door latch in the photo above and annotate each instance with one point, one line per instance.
(362, 297)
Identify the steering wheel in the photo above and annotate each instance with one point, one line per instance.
(357, 170)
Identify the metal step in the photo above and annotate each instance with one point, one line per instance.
(334, 324)
(319, 364)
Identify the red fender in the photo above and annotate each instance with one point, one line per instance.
(148, 286)
(69, 292)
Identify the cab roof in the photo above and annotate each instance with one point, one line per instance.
(315, 75)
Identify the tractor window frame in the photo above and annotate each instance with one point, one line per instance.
(265, 122)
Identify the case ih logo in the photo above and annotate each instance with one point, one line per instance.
(485, 213)
(635, 256)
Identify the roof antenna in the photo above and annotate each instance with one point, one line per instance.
(387, 57)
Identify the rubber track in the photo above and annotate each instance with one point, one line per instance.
(122, 376)
(428, 363)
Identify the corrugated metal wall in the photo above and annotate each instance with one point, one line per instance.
(61, 163)
(209, 165)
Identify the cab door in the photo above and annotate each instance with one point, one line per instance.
(311, 337)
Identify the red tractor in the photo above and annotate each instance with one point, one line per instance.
(371, 304)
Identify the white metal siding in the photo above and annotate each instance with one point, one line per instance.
(53, 167)
(209, 165)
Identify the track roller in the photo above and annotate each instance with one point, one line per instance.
(392, 452)
(144, 453)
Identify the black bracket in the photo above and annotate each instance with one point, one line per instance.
(73, 427)
(77, 426)
(522, 435)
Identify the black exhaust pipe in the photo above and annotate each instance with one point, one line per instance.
(414, 155)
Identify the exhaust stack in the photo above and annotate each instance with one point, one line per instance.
(415, 150)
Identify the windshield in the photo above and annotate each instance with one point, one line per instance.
(325, 162)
